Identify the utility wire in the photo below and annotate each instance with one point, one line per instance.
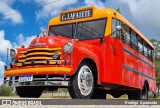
(11, 14)
(40, 5)
(50, 2)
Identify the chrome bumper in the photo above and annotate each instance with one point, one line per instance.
(42, 83)
(54, 81)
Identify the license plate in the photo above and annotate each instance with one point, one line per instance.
(26, 78)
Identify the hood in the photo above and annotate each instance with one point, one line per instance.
(49, 41)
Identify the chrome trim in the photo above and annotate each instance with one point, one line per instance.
(43, 83)
(15, 52)
(138, 72)
(41, 61)
(134, 55)
(48, 79)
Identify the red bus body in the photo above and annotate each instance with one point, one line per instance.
(118, 65)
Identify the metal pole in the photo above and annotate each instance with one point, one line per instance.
(7, 58)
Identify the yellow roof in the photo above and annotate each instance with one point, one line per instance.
(97, 14)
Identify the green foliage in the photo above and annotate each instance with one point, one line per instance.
(118, 10)
(156, 44)
(6, 91)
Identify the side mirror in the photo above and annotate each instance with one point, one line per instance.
(119, 28)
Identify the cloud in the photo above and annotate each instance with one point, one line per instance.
(43, 28)
(1, 70)
(96, 3)
(21, 40)
(145, 10)
(145, 15)
(9, 13)
(51, 8)
(4, 44)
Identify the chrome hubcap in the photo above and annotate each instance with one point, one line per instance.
(85, 80)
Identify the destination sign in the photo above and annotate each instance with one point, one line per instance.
(76, 15)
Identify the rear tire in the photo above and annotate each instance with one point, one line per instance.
(29, 91)
(139, 95)
(144, 93)
(82, 83)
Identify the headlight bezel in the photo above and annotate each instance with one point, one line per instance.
(67, 48)
(13, 55)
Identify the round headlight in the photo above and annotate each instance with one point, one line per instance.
(13, 53)
(67, 47)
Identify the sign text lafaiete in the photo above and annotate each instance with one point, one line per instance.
(76, 15)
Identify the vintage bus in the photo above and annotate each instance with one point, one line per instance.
(90, 51)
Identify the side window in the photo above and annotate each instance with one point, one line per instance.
(115, 23)
(119, 33)
(145, 49)
(126, 34)
(140, 44)
(150, 53)
(133, 39)
(114, 26)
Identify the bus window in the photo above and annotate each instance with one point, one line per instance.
(114, 27)
(65, 30)
(115, 23)
(145, 49)
(150, 53)
(126, 34)
(140, 44)
(133, 39)
(91, 29)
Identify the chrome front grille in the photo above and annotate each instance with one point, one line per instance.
(34, 56)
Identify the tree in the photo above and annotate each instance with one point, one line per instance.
(156, 44)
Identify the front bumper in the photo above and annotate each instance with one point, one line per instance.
(42, 83)
(37, 71)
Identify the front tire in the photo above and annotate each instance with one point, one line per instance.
(29, 91)
(82, 83)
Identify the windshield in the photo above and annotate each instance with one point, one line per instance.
(85, 30)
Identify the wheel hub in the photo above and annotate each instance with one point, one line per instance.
(85, 80)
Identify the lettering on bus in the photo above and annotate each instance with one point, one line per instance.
(76, 15)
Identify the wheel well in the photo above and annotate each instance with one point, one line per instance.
(146, 84)
(92, 63)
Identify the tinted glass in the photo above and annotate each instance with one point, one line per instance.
(116, 23)
(133, 37)
(66, 30)
(91, 29)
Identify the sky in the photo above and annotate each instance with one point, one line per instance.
(22, 20)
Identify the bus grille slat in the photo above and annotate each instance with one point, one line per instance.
(38, 54)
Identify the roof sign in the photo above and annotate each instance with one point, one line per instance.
(76, 15)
